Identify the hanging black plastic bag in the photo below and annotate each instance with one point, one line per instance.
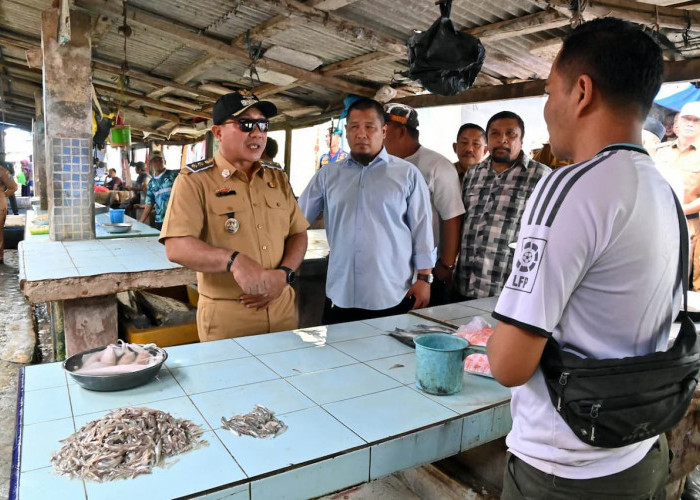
(442, 59)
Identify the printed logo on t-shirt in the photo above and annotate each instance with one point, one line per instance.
(526, 265)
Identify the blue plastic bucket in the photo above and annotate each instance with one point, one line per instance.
(116, 215)
(440, 362)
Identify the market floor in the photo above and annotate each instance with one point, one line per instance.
(15, 313)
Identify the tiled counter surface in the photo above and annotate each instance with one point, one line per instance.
(460, 313)
(345, 391)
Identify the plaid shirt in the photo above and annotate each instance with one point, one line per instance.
(494, 204)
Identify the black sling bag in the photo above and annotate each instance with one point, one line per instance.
(616, 402)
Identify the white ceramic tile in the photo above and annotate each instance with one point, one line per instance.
(307, 360)
(39, 273)
(181, 407)
(487, 304)
(82, 246)
(401, 368)
(40, 441)
(222, 374)
(416, 449)
(41, 484)
(44, 376)
(350, 331)
(447, 311)
(163, 386)
(197, 470)
(310, 434)
(381, 346)
(485, 426)
(203, 352)
(341, 383)
(406, 321)
(477, 392)
(278, 342)
(43, 405)
(314, 480)
(388, 413)
(276, 395)
(240, 492)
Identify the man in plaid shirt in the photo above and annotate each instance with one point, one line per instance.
(494, 193)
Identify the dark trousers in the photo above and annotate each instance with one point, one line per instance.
(439, 292)
(13, 205)
(333, 314)
(158, 225)
(645, 480)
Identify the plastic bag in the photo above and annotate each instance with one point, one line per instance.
(476, 332)
(443, 60)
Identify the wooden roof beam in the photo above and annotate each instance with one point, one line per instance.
(531, 23)
(638, 12)
(215, 47)
(150, 102)
(329, 5)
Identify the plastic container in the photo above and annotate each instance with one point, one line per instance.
(116, 215)
(120, 135)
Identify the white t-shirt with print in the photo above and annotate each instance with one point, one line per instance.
(597, 267)
(443, 184)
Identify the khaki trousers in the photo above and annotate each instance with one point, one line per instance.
(694, 233)
(224, 319)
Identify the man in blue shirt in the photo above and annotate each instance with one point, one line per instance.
(335, 153)
(158, 191)
(379, 223)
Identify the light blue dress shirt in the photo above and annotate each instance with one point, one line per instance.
(379, 225)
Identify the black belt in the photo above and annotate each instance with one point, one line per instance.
(692, 216)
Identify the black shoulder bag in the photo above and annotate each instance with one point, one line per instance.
(616, 402)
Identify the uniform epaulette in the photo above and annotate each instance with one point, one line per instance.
(199, 166)
(271, 165)
(665, 144)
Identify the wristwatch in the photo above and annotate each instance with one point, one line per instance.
(291, 275)
(428, 278)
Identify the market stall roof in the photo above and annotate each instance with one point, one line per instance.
(182, 55)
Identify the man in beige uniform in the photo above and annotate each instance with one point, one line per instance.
(8, 186)
(679, 162)
(236, 222)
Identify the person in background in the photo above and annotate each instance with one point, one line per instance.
(470, 148)
(679, 162)
(235, 221)
(335, 153)
(379, 224)
(28, 170)
(113, 183)
(139, 188)
(13, 199)
(586, 272)
(494, 193)
(652, 133)
(670, 125)
(158, 189)
(268, 156)
(402, 140)
(8, 186)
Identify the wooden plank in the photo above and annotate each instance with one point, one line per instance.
(531, 23)
(329, 5)
(197, 68)
(267, 29)
(638, 12)
(151, 102)
(100, 26)
(682, 71)
(355, 63)
(481, 94)
(216, 47)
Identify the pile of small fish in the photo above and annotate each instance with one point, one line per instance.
(125, 443)
(406, 336)
(119, 358)
(260, 422)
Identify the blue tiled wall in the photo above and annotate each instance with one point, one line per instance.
(71, 189)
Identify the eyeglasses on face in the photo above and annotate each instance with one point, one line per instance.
(248, 124)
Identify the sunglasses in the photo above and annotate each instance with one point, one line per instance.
(248, 124)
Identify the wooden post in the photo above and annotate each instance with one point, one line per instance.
(288, 150)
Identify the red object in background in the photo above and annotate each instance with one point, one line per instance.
(101, 189)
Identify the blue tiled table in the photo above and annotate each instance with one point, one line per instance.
(460, 313)
(346, 393)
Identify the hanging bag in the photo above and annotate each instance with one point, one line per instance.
(443, 60)
(611, 403)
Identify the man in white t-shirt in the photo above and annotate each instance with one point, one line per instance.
(402, 140)
(596, 266)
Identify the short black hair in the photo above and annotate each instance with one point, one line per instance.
(468, 126)
(271, 148)
(624, 62)
(365, 103)
(507, 115)
(139, 165)
(112, 170)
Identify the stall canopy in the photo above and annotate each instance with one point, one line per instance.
(675, 101)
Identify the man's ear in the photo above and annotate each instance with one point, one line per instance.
(583, 93)
(454, 147)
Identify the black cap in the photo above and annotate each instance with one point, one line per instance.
(235, 103)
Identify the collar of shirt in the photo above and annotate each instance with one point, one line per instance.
(693, 146)
(223, 164)
(382, 156)
(522, 161)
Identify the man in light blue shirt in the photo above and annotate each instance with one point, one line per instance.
(379, 222)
